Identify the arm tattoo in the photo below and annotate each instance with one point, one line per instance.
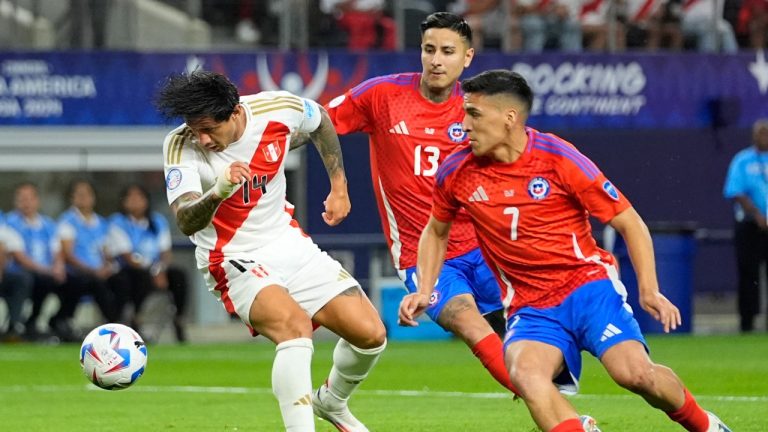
(194, 211)
(328, 145)
(299, 139)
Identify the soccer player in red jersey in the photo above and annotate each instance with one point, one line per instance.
(561, 291)
(414, 122)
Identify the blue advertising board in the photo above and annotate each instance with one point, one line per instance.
(572, 91)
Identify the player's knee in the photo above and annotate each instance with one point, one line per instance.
(529, 381)
(636, 378)
(374, 337)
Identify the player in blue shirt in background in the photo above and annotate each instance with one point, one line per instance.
(141, 242)
(41, 256)
(15, 286)
(747, 186)
(84, 236)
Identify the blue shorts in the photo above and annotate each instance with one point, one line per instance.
(465, 274)
(594, 318)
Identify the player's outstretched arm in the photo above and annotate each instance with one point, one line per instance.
(432, 246)
(194, 211)
(640, 246)
(337, 205)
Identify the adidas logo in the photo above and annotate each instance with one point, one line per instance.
(304, 400)
(478, 195)
(609, 332)
(343, 274)
(399, 129)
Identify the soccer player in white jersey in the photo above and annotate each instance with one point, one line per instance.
(225, 180)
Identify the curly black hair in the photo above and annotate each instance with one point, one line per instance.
(197, 95)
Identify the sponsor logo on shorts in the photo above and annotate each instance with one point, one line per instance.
(434, 297)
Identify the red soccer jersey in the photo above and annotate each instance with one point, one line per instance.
(532, 217)
(409, 138)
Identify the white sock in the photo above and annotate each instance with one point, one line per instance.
(292, 384)
(350, 367)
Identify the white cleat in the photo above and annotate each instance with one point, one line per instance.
(589, 424)
(715, 424)
(335, 411)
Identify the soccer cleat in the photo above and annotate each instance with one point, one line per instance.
(715, 424)
(329, 408)
(589, 424)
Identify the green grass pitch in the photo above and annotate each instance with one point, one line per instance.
(427, 386)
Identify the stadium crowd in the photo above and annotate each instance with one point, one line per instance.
(520, 25)
(114, 261)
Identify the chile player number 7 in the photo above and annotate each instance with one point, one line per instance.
(515, 212)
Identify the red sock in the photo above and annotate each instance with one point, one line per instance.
(570, 425)
(490, 351)
(690, 415)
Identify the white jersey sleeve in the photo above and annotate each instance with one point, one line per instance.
(312, 117)
(180, 164)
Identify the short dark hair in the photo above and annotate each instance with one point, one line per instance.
(198, 94)
(75, 182)
(24, 184)
(500, 81)
(447, 20)
(145, 193)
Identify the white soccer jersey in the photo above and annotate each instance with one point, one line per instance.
(258, 212)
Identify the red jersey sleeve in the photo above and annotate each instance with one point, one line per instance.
(352, 111)
(445, 206)
(594, 191)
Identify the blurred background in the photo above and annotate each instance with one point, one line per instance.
(661, 94)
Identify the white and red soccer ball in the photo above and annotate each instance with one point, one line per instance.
(113, 356)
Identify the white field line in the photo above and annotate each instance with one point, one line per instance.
(385, 393)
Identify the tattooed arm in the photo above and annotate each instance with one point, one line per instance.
(194, 211)
(299, 139)
(326, 141)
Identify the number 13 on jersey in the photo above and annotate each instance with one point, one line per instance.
(431, 154)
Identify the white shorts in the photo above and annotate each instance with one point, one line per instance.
(292, 261)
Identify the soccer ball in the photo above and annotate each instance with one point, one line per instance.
(113, 356)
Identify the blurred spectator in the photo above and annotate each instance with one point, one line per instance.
(88, 19)
(41, 256)
(653, 24)
(141, 240)
(364, 22)
(15, 286)
(545, 20)
(753, 22)
(83, 236)
(488, 20)
(703, 21)
(246, 29)
(599, 26)
(747, 186)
